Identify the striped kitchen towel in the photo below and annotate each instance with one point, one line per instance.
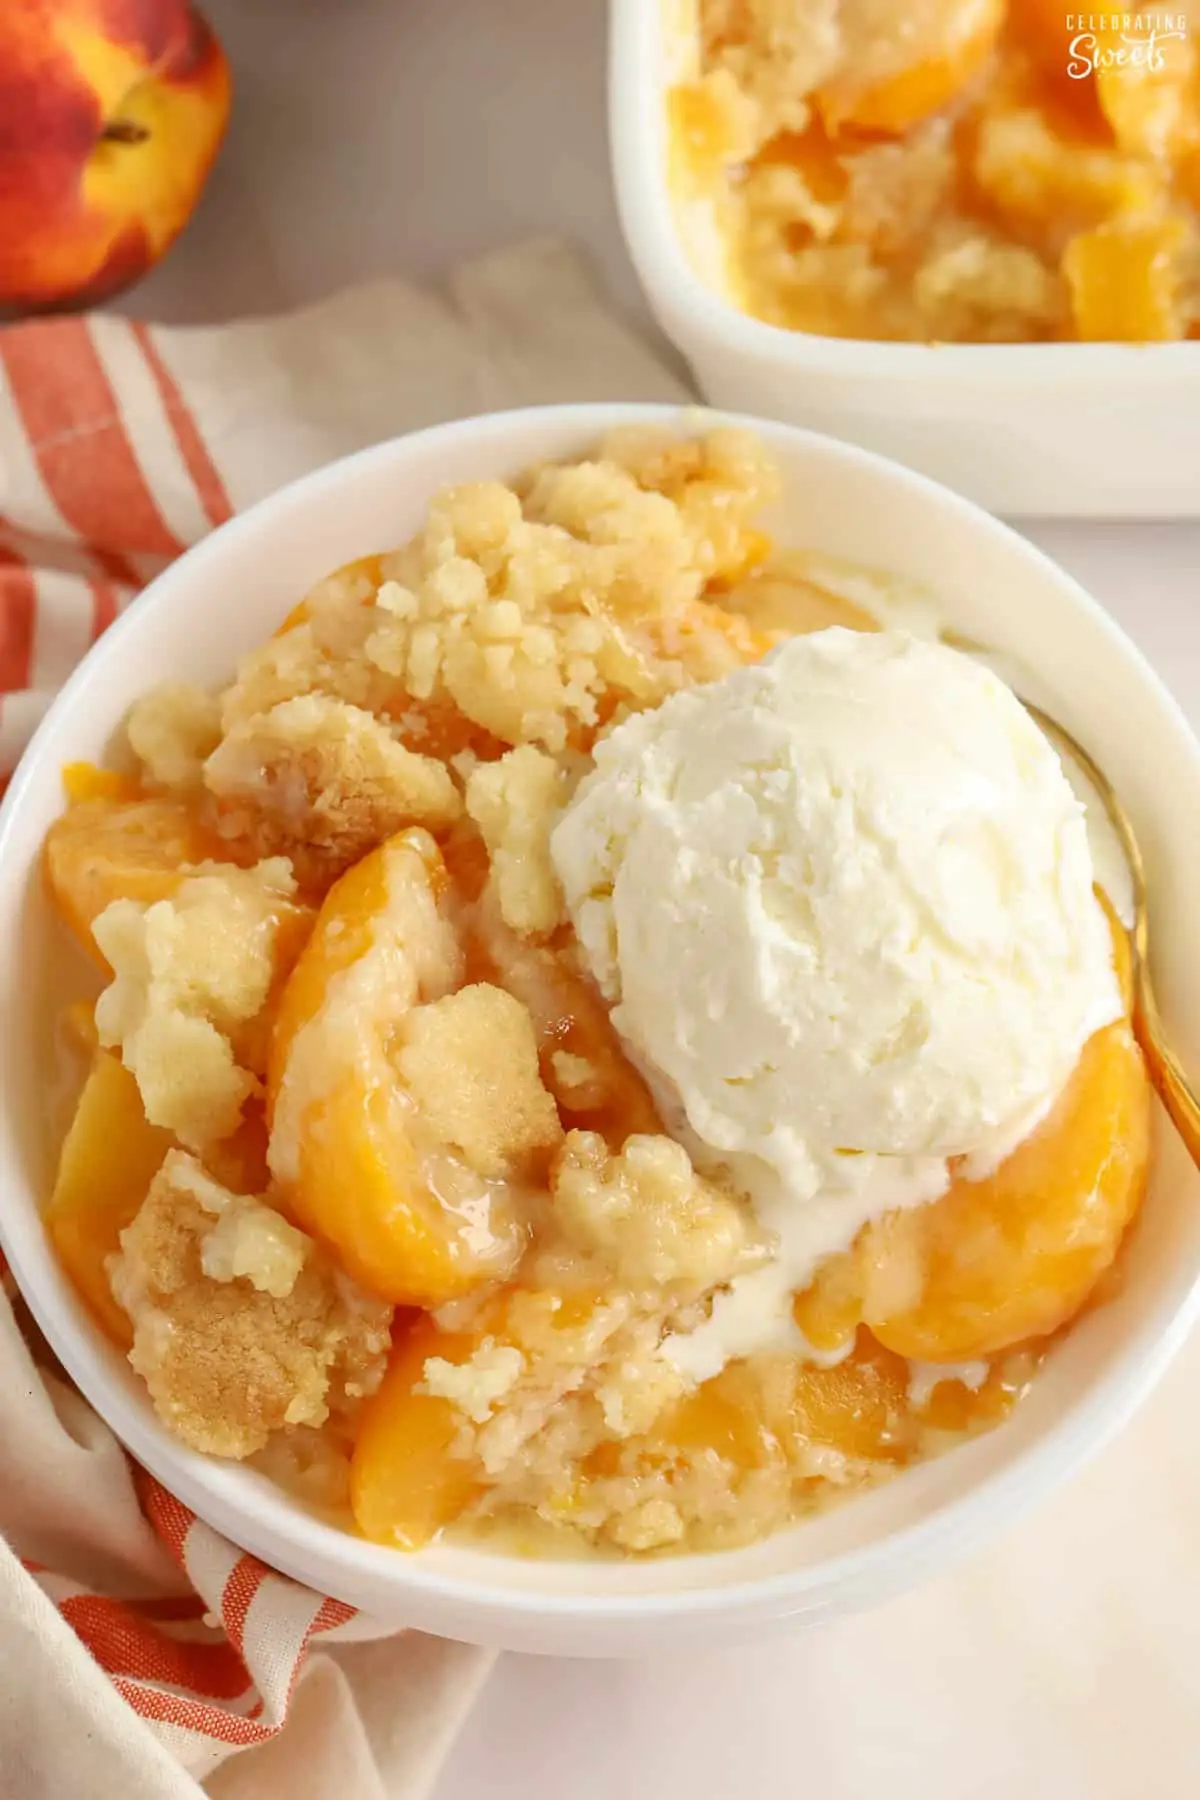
(138, 1649)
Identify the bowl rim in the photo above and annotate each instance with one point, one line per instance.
(638, 153)
(279, 1529)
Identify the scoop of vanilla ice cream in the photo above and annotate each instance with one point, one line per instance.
(841, 901)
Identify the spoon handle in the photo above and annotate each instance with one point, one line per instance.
(1172, 1085)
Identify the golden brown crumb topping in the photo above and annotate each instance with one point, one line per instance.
(322, 781)
(512, 618)
(242, 1326)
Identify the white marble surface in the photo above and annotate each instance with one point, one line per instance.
(376, 135)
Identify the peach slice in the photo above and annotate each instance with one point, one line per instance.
(409, 1219)
(405, 1482)
(1016, 1256)
(1126, 281)
(110, 848)
(109, 1157)
(77, 1028)
(1013, 1257)
(87, 781)
(239, 1162)
(1045, 168)
(858, 1408)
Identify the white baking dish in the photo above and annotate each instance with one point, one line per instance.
(1034, 430)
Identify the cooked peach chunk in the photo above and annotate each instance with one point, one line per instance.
(418, 1458)
(1044, 31)
(1126, 281)
(998, 1261)
(109, 1158)
(77, 1027)
(1016, 1256)
(754, 1411)
(417, 1195)
(240, 1162)
(111, 848)
(724, 1417)
(86, 781)
(857, 1407)
(711, 128)
(1045, 188)
(830, 1311)
(406, 1484)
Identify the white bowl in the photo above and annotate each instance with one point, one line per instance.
(227, 595)
(1029, 430)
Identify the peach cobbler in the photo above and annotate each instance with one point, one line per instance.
(601, 1039)
(984, 171)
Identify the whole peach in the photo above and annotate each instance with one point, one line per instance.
(111, 112)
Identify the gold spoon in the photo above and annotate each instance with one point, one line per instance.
(1173, 1087)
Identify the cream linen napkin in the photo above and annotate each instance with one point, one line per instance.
(141, 1654)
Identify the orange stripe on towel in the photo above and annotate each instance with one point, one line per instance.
(18, 612)
(210, 489)
(78, 437)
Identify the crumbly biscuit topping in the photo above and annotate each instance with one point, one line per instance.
(513, 617)
(322, 781)
(514, 802)
(242, 1326)
(647, 1214)
(172, 730)
(470, 1063)
(931, 170)
(187, 974)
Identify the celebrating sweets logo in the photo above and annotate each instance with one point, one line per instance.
(1122, 41)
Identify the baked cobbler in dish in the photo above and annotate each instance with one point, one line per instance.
(982, 171)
